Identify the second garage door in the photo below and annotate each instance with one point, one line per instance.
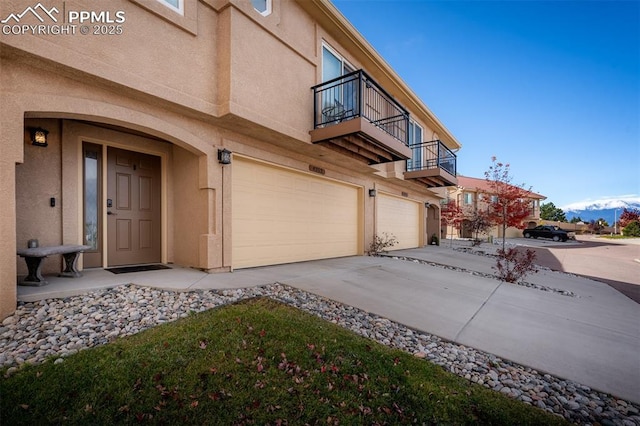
(282, 216)
(399, 217)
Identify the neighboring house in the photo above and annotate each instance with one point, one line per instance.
(473, 194)
(213, 134)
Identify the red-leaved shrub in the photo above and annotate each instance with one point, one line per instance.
(513, 265)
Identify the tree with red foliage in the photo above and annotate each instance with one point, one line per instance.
(479, 223)
(628, 216)
(510, 203)
(451, 214)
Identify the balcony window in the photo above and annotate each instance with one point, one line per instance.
(333, 65)
(341, 96)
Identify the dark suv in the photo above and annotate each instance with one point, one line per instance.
(546, 231)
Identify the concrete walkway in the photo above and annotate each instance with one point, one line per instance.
(593, 339)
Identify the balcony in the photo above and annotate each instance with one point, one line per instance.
(358, 118)
(432, 164)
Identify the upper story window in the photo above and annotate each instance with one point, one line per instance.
(342, 96)
(415, 133)
(333, 65)
(175, 5)
(468, 198)
(263, 7)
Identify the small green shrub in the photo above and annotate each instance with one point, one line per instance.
(381, 243)
(435, 241)
(632, 229)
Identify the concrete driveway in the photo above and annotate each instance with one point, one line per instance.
(593, 339)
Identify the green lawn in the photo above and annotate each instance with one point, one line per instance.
(255, 362)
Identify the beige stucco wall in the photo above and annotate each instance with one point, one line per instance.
(37, 180)
(194, 212)
(11, 145)
(266, 91)
(182, 71)
(229, 78)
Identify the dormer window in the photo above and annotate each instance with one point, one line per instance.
(263, 7)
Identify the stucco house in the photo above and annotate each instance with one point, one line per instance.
(212, 134)
(473, 194)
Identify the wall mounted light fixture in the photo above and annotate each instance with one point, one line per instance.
(427, 204)
(372, 193)
(38, 136)
(224, 156)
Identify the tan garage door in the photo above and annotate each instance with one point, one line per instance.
(399, 217)
(282, 216)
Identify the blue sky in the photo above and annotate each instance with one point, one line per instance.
(550, 87)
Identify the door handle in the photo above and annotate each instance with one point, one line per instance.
(112, 214)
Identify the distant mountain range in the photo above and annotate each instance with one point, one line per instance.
(609, 209)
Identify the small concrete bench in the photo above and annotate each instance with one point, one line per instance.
(34, 256)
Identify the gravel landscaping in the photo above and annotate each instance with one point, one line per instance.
(54, 328)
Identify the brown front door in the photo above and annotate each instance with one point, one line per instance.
(133, 207)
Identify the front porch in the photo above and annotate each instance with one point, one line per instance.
(175, 279)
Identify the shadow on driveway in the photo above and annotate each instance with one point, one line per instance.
(610, 263)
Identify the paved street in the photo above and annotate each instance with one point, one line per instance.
(616, 262)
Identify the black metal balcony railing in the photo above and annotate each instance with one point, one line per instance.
(357, 95)
(431, 155)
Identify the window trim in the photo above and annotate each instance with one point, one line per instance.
(187, 21)
(269, 8)
(179, 9)
(415, 125)
(417, 149)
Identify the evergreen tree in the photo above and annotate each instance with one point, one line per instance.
(548, 211)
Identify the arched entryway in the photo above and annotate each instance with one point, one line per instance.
(133, 197)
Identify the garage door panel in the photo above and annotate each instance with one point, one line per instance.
(401, 218)
(282, 216)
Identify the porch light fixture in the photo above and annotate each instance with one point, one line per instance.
(224, 156)
(427, 204)
(372, 193)
(38, 136)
